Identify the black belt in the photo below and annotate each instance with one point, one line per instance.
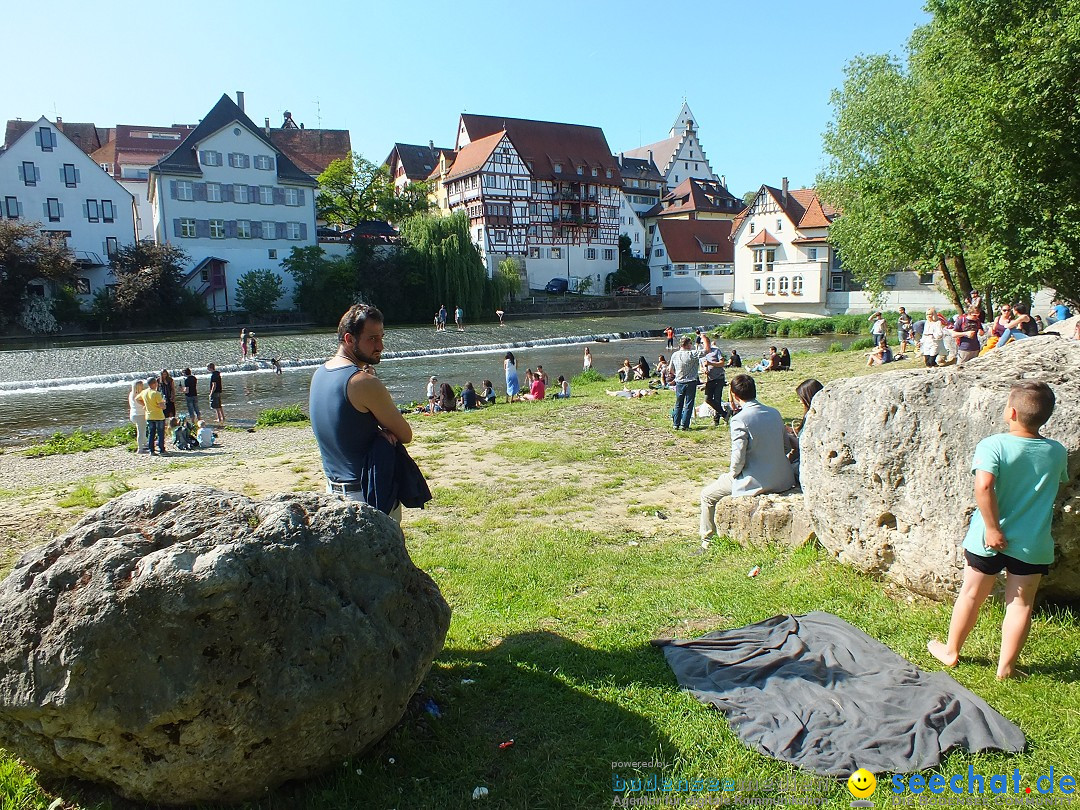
(346, 486)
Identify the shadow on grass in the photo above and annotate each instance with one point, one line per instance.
(562, 704)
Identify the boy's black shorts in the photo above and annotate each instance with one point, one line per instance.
(1003, 562)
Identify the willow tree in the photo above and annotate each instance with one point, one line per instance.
(441, 248)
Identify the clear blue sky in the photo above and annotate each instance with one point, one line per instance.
(756, 74)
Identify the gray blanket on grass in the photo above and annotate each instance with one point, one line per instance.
(816, 692)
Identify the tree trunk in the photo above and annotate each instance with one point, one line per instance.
(943, 268)
(962, 277)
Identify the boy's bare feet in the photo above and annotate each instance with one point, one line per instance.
(1014, 673)
(941, 653)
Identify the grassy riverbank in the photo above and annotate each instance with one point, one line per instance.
(561, 534)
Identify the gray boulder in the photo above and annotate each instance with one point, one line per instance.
(765, 519)
(886, 463)
(186, 644)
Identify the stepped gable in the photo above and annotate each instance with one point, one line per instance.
(542, 144)
(184, 160)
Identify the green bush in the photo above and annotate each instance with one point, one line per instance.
(862, 343)
(81, 442)
(836, 346)
(586, 377)
(281, 416)
(752, 327)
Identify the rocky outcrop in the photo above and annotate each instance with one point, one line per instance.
(765, 518)
(886, 462)
(186, 644)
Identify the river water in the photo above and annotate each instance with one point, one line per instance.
(61, 386)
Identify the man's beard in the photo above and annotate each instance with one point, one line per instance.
(360, 359)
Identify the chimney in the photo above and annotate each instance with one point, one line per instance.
(783, 190)
(431, 145)
(266, 125)
(240, 99)
(723, 180)
(59, 122)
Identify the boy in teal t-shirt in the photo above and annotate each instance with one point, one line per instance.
(1016, 483)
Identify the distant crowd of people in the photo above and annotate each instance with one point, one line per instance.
(152, 407)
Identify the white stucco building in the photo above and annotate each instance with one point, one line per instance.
(233, 202)
(690, 262)
(46, 178)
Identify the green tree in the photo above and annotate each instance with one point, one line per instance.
(966, 156)
(258, 292)
(443, 252)
(149, 282)
(632, 272)
(27, 255)
(508, 280)
(324, 287)
(355, 189)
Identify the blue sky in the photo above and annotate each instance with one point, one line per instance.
(756, 74)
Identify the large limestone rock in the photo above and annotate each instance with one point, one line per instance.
(886, 463)
(187, 644)
(765, 519)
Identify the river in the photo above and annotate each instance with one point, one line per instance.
(60, 386)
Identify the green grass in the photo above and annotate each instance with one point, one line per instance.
(80, 441)
(288, 415)
(89, 496)
(552, 624)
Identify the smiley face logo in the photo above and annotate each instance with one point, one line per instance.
(862, 784)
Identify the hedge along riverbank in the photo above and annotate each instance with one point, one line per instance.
(758, 327)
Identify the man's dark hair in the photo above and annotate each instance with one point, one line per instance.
(1034, 402)
(187, 372)
(744, 387)
(686, 341)
(352, 322)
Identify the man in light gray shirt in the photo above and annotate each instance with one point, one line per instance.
(687, 366)
(759, 463)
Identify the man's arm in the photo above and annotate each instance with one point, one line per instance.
(986, 500)
(740, 444)
(367, 393)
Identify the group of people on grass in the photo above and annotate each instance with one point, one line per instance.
(536, 384)
(442, 398)
(152, 407)
(942, 340)
(1017, 473)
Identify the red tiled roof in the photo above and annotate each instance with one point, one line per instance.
(473, 156)
(763, 238)
(695, 194)
(684, 240)
(85, 136)
(542, 144)
(313, 150)
(815, 216)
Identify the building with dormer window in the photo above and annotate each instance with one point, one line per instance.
(233, 201)
(47, 178)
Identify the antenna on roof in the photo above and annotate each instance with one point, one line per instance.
(318, 112)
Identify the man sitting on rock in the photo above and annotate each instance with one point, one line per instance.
(759, 462)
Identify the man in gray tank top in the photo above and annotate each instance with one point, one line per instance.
(350, 409)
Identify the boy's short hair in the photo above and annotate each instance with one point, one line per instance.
(744, 387)
(1034, 402)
